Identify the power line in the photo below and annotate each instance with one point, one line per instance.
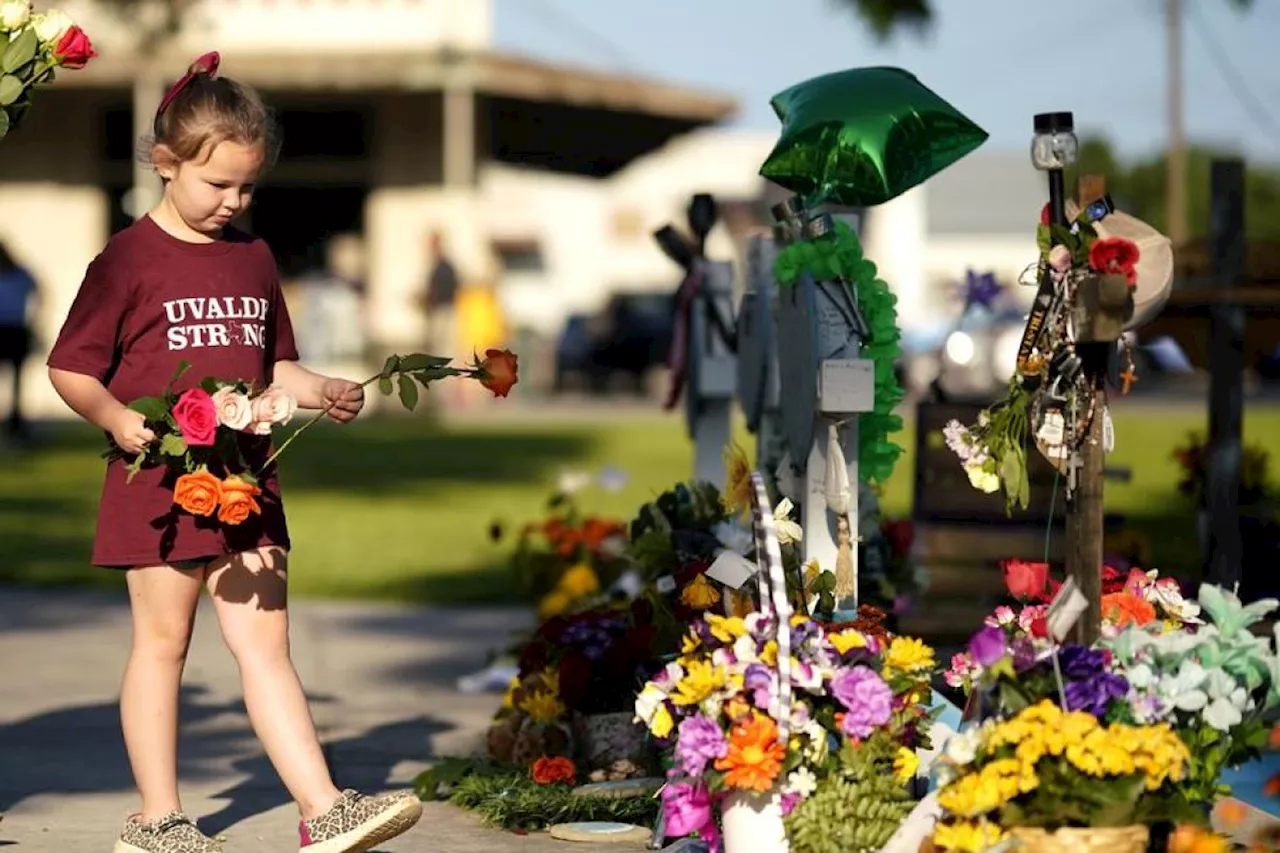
(553, 14)
(1236, 81)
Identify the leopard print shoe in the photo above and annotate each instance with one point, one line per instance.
(173, 833)
(356, 823)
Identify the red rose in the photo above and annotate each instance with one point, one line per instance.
(74, 50)
(1024, 580)
(549, 771)
(1113, 581)
(1044, 215)
(1115, 255)
(1040, 627)
(197, 418)
(498, 371)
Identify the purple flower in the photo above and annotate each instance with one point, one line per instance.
(1080, 662)
(1096, 694)
(789, 802)
(687, 809)
(759, 681)
(988, 646)
(868, 699)
(1025, 654)
(699, 741)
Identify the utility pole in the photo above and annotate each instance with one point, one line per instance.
(1176, 159)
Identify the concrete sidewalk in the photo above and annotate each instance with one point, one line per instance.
(381, 679)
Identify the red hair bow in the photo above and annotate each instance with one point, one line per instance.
(207, 64)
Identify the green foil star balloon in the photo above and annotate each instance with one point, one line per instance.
(864, 136)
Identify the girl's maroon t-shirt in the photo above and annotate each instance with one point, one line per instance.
(148, 302)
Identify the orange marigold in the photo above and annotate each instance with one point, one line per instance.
(754, 758)
(1125, 608)
(549, 771)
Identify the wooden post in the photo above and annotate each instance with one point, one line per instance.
(1226, 376)
(1084, 527)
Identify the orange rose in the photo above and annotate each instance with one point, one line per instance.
(198, 493)
(549, 771)
(498, 371)
(238, 501)
(1125, 608)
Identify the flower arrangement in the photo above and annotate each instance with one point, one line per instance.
(1136, 598)
(1048, 381)
(33, 45)
(1215, 687)
(1193, 461)
(205, 433)
(568, 557)
(712, 711)
(1046, 768)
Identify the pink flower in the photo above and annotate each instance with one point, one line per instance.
(1028, 615)
(868, 698)
(234, 409)
(687, 809)
(271, 408)
(1002, 616)
(962, 670)
(197, 418)
(1060, 258)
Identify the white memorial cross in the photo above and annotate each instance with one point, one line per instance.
(825, 385)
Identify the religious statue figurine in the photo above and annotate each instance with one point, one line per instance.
(844, 559)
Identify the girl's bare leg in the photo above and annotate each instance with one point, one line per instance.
(249, 595)
(163, 603)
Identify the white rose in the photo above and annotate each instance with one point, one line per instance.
(14, 14)
(52, 25)
(272, 407)
(233, 408)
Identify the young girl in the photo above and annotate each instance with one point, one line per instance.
(182, 284)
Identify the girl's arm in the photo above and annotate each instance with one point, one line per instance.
(89, 399)
(314, 391)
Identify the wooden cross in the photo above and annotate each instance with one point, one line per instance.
(1129, 377)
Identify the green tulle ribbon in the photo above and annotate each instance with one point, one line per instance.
(838, 255)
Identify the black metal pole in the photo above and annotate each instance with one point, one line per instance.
(1226, 376)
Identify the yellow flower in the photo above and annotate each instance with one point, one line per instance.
(848, 639)
(905, 765)
(907, 654)
(542, 707)
(579, 581)
(741, 603)
(661, 724)
(508, 698)
(553, 604)
(689, 644)
(726, 629)
(701, 679)
(769, 654)
(737, 482)
(967, 836)
(700, 594)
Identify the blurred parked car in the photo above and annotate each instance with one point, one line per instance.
(628, 338)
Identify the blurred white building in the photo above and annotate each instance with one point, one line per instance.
(400, 120)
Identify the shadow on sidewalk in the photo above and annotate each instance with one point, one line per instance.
(365, 762)
(81, 750)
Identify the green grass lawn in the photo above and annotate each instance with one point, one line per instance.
(399, 508)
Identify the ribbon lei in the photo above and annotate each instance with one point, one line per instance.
(678, 359)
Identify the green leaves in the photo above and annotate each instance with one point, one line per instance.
(20, 51)
(399, 373)
(408, 393)
(173, 444)
(151, 408)
(11, 89)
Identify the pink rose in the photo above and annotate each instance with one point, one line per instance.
(233, 408)
(1060, 258)
(197, 418)
(272, 407)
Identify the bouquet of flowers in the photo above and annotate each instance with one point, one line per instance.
(203, 433)
(1215, 687)
(858, 712)
(1136, 598)
(1047, 767)
(568, 557)
(32, 46)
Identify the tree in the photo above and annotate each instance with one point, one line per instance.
(887, 17)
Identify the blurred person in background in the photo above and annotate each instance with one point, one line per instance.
(17, 304)
(441, 298)
(480, 325)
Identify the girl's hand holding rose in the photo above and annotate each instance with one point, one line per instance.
(346, 398)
